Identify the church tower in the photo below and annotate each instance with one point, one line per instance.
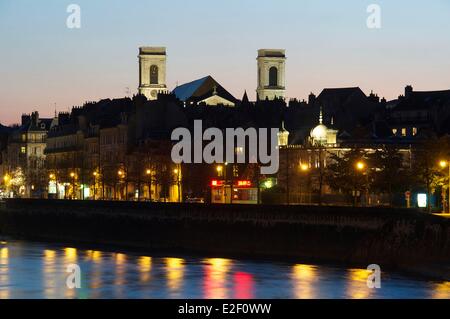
(271, 74)
(152, 71)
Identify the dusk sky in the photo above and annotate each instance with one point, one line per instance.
(328, 44)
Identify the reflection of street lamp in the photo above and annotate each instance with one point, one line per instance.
(445, 164)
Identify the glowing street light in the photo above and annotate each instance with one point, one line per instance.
(72, 175)
(148, 172)
(304, 167)
(445, 164)
(360, 166)
(219, 169)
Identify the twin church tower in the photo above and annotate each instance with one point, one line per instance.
(271, 73)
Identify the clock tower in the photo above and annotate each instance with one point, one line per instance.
(152, 71)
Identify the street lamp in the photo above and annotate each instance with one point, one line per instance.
(72, 175)
(445, 164)
(303, 168)
(177, 173)
(95, 182)
(360, 166)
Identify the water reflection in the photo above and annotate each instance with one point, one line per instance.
(4, 272)
(216, 278)
(50, 274)
(304, 277)
(175, 273)
(145, 266)
(29, 270)
(243, 285)
(357, 284)
(441, 291)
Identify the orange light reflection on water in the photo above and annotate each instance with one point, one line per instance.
(215, 279)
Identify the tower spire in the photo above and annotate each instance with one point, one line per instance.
(321, 115)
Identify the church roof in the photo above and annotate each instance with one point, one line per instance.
(201, 89)
(339, 94)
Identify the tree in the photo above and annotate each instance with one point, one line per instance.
(426, 168)
(389, 174)
(342, 174)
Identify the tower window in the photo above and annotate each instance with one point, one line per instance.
(153, 74)
(273, 76)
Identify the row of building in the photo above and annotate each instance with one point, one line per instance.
(120, 148)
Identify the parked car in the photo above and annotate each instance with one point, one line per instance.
(195, 200)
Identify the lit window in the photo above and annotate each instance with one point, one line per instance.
(414, 131)
(394, 131)
(23, 150)
(403, 132)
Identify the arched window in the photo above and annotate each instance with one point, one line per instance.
(273, 76)
(153, 74)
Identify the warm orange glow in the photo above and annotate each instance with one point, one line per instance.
(357, 284)
(120, 173)
(120, 259)
(175, 171)
(216, 275)
(442, 290)
(304, 277)
(95, 174)
(145, 266)
(3, 254)
(304, 167)
(443, 164)
(360, 166)
(72, 175)
(244, 183)
(52, 176)
(219, 168)
(49, 254)
(148, 172)
(70, 255)
(175, 273)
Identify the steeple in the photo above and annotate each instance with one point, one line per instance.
(321, 115)
(245, 98)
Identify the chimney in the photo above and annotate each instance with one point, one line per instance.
(26, 118)
(408, 91)
(35, 118)
(311, 99)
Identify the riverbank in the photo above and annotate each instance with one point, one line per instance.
(393, 238)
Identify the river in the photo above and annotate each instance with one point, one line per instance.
(37, 270)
